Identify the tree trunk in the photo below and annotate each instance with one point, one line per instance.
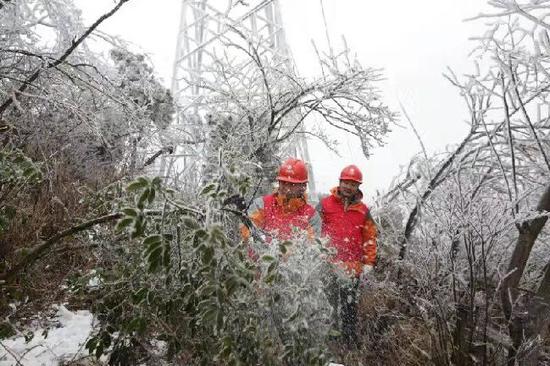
(529, 232)
(461, 346)
(538, 321)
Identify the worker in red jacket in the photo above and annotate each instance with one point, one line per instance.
(285, 211)
(347, 222)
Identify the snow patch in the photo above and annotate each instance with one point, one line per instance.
(56, 345)
(95, 279)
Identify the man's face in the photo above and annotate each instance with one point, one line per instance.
(348, 188)
(292, 190)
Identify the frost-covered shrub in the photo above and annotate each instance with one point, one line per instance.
(17, 174)
(181, 280)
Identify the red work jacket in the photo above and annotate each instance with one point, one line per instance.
(280, 220)
(351, 231)
(279, 217)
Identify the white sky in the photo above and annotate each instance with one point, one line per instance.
(413, 41)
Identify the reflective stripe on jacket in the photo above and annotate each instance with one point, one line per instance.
(351, 230)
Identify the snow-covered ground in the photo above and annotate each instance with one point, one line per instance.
(62, 343)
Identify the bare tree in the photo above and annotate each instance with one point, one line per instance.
(475, 222)
(258, 104)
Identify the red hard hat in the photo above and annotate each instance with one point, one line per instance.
(351, 172)
(293, 171)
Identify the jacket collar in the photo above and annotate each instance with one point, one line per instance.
(355, 204)
(293, 204)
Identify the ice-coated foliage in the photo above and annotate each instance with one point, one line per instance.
(17, 173)
(462, 274)
(472, 232)
(180, 279)
(252, 108)
(98, 116)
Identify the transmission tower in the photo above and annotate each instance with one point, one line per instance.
(206, 27)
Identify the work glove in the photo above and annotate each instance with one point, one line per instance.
(367, 269)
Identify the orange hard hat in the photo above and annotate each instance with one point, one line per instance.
(351, 172)
(293, 171)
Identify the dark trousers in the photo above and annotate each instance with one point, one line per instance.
(342, 295)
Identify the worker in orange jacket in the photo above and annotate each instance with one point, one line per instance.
(351, 231)
(283, 212)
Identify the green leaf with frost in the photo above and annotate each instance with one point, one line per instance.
(123, 223)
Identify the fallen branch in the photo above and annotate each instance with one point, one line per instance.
(37, 252)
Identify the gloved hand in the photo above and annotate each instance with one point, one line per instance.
(367, 269)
